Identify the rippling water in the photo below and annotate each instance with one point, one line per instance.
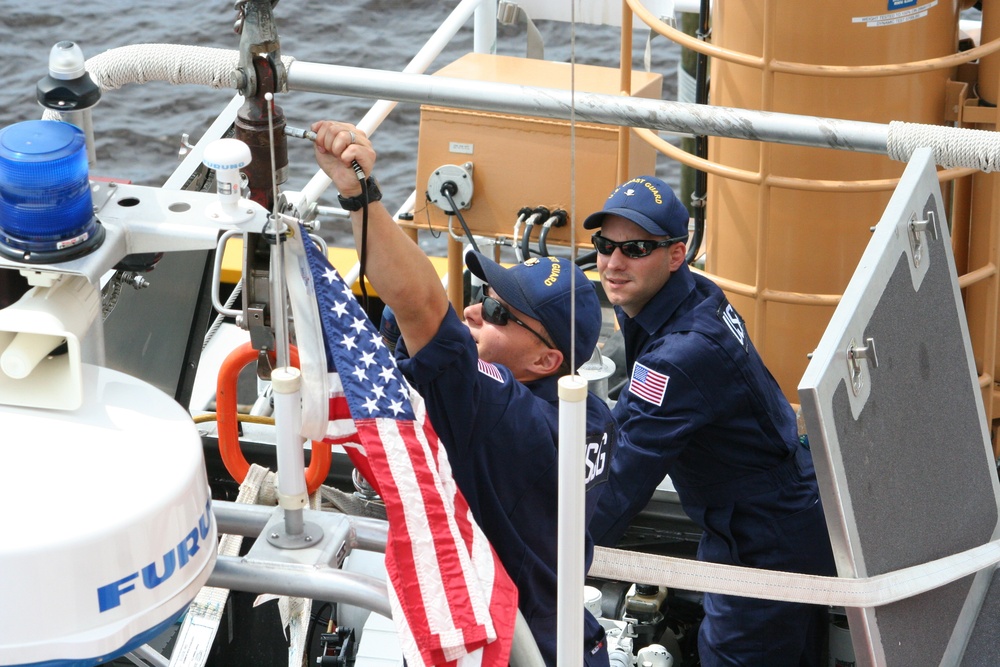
(138, 128)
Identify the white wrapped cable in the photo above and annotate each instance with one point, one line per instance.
(173, 63)
(952, 146)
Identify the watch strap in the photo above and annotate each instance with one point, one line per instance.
(356, 202)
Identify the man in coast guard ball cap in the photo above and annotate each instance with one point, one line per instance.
(540, 288)
(490, 385)
(701, 406)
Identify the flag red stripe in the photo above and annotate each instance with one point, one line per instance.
(464, 615)
(406, 545)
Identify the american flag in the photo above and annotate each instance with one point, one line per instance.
(453, 603)
(647, 384)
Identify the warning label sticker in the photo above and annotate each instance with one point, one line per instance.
(900, 15)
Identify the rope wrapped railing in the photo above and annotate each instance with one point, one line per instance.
(178, 64)
(951, 146)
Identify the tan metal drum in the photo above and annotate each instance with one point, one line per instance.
(794, 234)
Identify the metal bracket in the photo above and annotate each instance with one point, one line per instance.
(508, 13)
(258, 37)
(917, 227)
(854, 356)
(264, 365)
(311, 535)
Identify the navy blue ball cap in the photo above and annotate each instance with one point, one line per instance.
(648, 202)
(540, 288)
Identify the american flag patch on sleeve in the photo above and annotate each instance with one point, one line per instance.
(648, 385)
(486, 368)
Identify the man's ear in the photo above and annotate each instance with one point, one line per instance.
(678, 255)
(546, 362)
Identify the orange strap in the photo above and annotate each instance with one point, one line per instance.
(228, 426)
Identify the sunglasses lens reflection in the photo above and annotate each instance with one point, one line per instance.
(494, 312)
(631, 249)
(636, 249)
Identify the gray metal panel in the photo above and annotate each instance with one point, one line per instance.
(148, 334)
(983, 649)
(901, 448)
(156, 334)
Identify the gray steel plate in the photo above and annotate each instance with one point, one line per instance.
(901, 448)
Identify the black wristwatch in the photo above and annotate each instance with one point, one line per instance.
(356, 202)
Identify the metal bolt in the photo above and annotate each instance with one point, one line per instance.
(274, 536)
(238, 79)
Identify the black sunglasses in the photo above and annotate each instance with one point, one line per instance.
(494, 312)
(632, 249)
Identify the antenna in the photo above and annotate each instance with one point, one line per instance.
(294, 532)
(227, 157)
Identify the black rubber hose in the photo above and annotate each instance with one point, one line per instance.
(447, 192)
(700, 141)
(529, 224)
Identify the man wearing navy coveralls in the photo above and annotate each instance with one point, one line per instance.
(701, 406)
(490, 386)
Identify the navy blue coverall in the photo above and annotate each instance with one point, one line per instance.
(501, 437)
(701, 406)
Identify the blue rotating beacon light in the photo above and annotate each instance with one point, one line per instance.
(46, 209)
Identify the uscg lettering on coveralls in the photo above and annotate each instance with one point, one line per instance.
(732, 319)
(647, 384)
(600, 447)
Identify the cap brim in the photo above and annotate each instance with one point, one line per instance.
(596, 220)
(499, 280)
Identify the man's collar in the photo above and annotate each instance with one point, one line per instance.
(546, 388)
(665, 302)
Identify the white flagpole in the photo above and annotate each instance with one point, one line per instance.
(572, 513)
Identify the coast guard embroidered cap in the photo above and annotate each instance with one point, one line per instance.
(540, 288)
(648, 202)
